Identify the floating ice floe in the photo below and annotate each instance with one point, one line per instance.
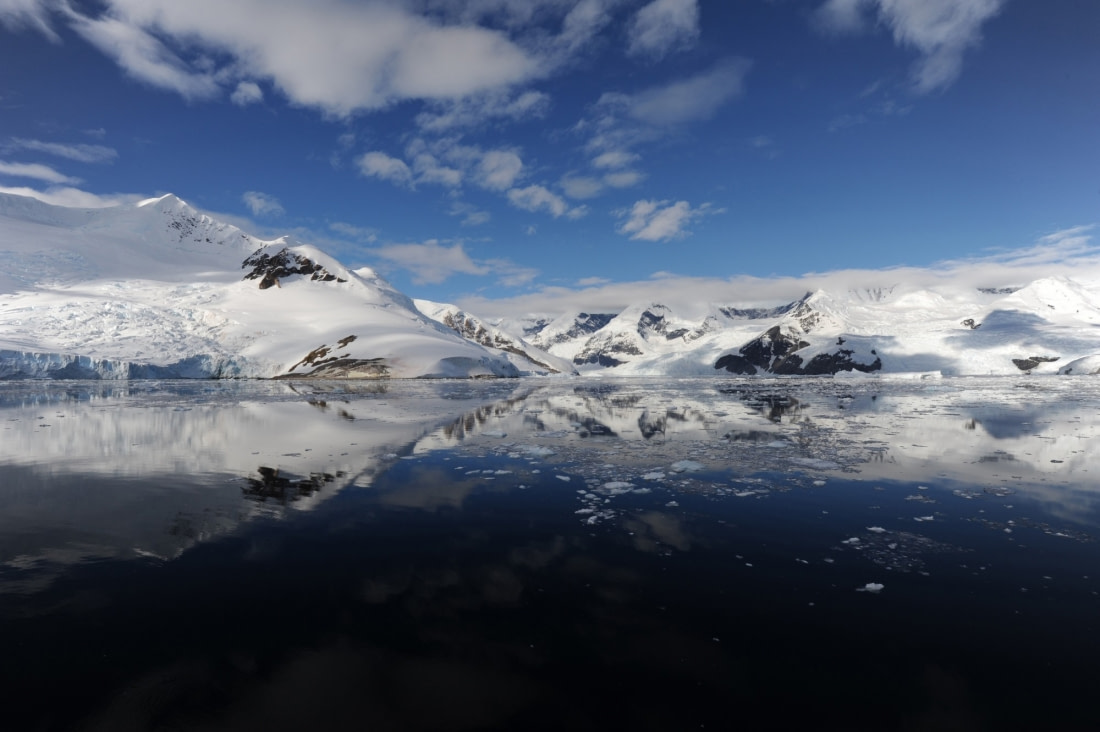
(872, 587)
(876, 529)
(686, 466)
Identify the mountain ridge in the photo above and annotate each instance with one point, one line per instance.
(159, 289)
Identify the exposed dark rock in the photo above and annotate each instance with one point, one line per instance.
(969, 323)
(270, 268)
(345, 368)
(1027, 364)
(760, 313)
(763, 351)
(283, 488)
(830, 363)
(998, 290)
(597, 358)
(474, 330)
(735, 364)
(583, 324)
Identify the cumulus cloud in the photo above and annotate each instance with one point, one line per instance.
(615, 159)
(940, 30)
(247, 92)
(661, 220)
(499, 169)
(663, 26)
(340, 57)
(582, 186)
(429, 170)
(81, 153)
(430, 262)
(382, 166)
(36, 171)
(537, 198)
(433, 262)
(262, 204)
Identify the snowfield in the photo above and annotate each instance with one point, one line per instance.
(160, 290)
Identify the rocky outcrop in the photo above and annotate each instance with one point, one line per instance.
(270, 268)
(762, 353)
(1027, 364)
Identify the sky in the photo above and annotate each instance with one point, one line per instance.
(549, 154)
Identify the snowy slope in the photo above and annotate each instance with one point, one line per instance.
(526, 357)
(160, 290)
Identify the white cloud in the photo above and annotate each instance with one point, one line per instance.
(144, 57)
(247, 92)
(664, 26)
(433, 262)
(689, 100)
(471, 215)
(582, 186)
(661, 220)
(1065, 251)
(36, 171)
(358, 233)
(429, 170)
(430, 262)
(340, 57)
(941, 30)
(615, 159)
(538, 198)
(623, 178)
(74, 197)
(382, 166)
(15, 15)
(499, 169)
(262, 204)
(479, 109)
(80, 153)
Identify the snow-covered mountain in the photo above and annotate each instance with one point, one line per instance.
(526, 357)
(1051, 325)
(158, 289)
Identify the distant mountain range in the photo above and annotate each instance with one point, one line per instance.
(160, 290)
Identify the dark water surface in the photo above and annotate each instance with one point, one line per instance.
(551, 554)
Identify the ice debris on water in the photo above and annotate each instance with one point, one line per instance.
(686, 466)
(872, 587)
(876, 529)
(494, 433)
(654, 476)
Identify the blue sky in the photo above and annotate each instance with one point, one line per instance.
(516, 152)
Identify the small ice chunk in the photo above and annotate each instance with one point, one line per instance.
(616, 488)
(653, 476)
(876, 529)
(872, 587)
(566, 478)
(819, 483)
(686, 466)
(923, 518)
(852, 541)
(494, 433)
(672, 504)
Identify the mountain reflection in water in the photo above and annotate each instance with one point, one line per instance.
(541, 554)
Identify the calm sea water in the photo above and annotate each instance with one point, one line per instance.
(550, 554)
